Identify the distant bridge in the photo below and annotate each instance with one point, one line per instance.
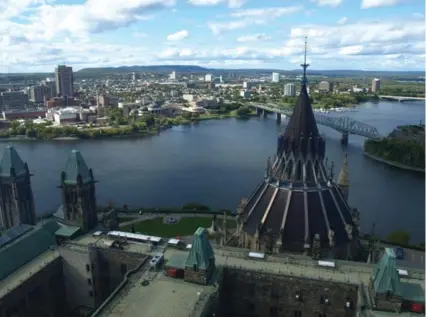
(345, 125)
(401, 98)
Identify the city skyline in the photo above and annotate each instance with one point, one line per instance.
(37, 35)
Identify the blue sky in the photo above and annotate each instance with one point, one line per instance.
(35, 35)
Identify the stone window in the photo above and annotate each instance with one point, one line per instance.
(87, 267)
(89, 281)
(297, 313)
(322, 315)
(90, 293)
(194, 267)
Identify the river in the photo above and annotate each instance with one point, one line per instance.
(218, 162)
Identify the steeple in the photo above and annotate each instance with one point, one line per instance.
(301, 135)
(305, 65)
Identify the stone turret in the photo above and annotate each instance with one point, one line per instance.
(343, 181)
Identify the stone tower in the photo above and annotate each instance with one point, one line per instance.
(16, 195)
(78, 193)
(343, 181)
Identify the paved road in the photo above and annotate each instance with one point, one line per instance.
(139, 218)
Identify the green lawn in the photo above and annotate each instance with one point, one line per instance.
(185, 227)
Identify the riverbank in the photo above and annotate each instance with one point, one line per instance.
(124, 130)
(394, 164)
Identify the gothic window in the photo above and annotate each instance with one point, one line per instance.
(195, 267)
(297, 313)
(89, 281)
(274, 290)
(322, 315)
(90, 293)
(87, 267)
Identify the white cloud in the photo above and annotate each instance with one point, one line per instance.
(231, 3)
(178, 36)
(331, 3)
(219, 27)
(367, 4)
(342, 20)
(253, 38)
(266, 13)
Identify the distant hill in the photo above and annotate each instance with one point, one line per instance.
(199, 69)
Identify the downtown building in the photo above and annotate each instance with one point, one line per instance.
(64, 81)
(289, 90)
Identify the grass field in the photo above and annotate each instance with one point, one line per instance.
(185, 227)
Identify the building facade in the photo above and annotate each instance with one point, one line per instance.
(78, 193)
(64, 80)
(289, 90)
(375, 85)
(16, 195)
(275, 77)
(325, 86)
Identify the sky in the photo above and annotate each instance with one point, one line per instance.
(36, 35)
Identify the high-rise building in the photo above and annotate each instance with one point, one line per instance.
(13, 99)
(208, 78)
(275, 77)
(375, 85)
(289, 90)
(172, 76)
(220, 79)
(64, 80)
(78, 193)
(16, 199)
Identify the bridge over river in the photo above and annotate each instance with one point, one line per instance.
(344, 125)
(401, 98)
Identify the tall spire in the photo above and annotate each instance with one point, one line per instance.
(305, 65)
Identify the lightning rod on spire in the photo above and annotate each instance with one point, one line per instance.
(305, 65)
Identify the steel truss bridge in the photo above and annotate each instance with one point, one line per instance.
(345, 125)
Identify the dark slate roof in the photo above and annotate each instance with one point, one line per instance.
(298, 213)
(201, 251)
(385, 275)
(14, 255)
(11, 160)
(76, 166)
(302, 121)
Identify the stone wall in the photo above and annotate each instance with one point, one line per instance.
(112, 265)
(78, 278)
(250, 294)
(40, 296)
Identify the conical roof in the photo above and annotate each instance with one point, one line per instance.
(302, 122)
(201, 251)
(76, 166)
(11, 161)
(386, 277)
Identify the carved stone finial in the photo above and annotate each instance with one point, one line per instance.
(348, 229)
(331, 238)
(343, 180)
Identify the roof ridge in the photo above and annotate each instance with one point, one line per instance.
(76, 167)
(11, 163)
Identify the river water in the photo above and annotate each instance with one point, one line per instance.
(219, 162)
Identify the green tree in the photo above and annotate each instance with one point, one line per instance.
(243, 111)
(399, 237)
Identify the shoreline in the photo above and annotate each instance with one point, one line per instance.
(394, 164)
(143, 134)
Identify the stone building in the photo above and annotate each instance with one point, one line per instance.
(245, 293)
(16, 195)
(297, 207)
(200, 263)
(78, 193)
